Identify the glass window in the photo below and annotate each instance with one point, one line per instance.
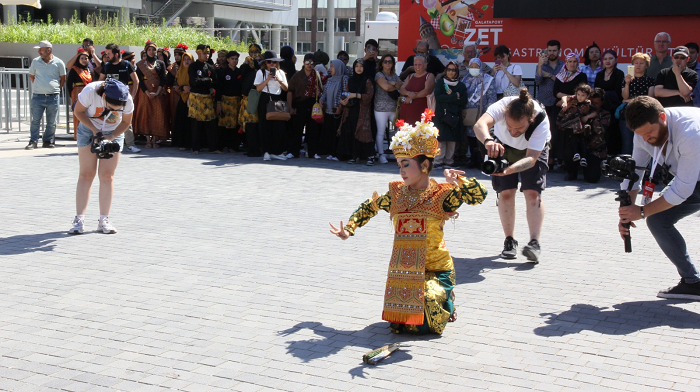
(389, 46)
(352, 25)
(342, 25)
(321, 25)
(320, 46)
(303, 47)
(308, 25)
(302, 25)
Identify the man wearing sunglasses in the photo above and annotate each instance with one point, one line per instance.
(674, 85)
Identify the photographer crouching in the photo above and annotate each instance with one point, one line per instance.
(670, 139)
(105, 110)
(521, 148)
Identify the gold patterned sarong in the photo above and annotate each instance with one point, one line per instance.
(243, 116)
(229, 112)
(201, 107)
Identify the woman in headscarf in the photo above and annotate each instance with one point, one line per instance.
(564, 86)
(150, 118)
(171, 96)
(288, 63)
(481, 93)
(332, 110)
(450, 98)
(182, 131)
(79, 76)
(355, 130)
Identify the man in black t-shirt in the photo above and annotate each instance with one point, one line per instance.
(434, 66)
(674, 85)
(116, 68)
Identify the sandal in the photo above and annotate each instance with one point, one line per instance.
(148, 145)
(156, 145)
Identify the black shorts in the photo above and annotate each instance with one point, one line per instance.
(532, 179)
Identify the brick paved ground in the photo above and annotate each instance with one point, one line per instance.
(224, 277)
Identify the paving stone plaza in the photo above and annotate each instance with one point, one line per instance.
(224, 277)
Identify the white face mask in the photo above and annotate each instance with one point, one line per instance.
(474, 71)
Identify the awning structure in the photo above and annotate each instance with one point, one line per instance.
(32, 3)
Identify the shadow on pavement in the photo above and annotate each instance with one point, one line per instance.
(330, 341)
(470, 270)
(28, 243)
(622, 319)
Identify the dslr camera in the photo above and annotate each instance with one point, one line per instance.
(622, 167)
(102, 148)
(494, 165)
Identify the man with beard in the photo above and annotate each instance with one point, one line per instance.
(670, 139)
(116, 68)
(548, 67)
(675, 85)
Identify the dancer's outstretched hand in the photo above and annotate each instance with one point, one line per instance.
(452, 176)
(340, 231)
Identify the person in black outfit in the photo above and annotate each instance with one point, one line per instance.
(565, 86)
(271, 82)
(288, 64)
(202, 82)
(228, 101)
(675, 85)
(610, 79)
(304, 88)
(248, 121)
(435, 66)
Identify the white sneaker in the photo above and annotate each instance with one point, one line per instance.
(133, 149)
(289, 156)
(280, 157)
(77, 226)
(332, 158)
(382, 159)
(266, 157)
(106, 227)
(316, 156)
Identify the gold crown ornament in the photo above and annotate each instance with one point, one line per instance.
(421, 139)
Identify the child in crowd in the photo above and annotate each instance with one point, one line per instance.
(573, 121)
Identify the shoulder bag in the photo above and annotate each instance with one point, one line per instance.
(317, 109)
(277, 110)
(512, 90)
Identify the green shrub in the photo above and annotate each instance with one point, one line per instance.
(105, 30)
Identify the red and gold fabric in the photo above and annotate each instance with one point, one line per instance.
(201, 107)
(229, 112)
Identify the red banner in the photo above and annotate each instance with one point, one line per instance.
(449, 24)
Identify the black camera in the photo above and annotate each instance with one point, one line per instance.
(494, 165)
(622, 167)
(104, 149)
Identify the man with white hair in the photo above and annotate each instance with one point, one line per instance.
(469, 52)
(48, 75)
(661, 59)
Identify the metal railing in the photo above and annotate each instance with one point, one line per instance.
(15, 99)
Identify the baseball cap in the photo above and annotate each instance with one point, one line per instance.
(681, 50)
(44, 44)
(116, 90)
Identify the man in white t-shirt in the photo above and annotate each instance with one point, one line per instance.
(522, 135)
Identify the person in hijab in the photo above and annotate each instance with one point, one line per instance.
(450, 99)
(330, 101)
(288, 61)
(564, 86)
(79, 76)
(171, 96)
(481, 93)
(150, 117)
(356, 139)
(182, 129)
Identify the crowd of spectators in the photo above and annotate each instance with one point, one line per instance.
(347, 112)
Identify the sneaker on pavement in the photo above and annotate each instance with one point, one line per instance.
(382, 159)
(577, 157)
(331, 158)
(682, 291)
(351, 161)
(583, 162)
(106, 227)
(532, 251)
(289, 156)
(370, 162)
(31, 146)
(266, 157)
(47, 145)
(133, 149)
(316, 156)
(280, 157)
(510, 248)
(77, 226)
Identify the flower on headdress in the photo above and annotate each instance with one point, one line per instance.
(400, 123)
(123, 51)
(212, 51)
(82, 50)
(181, 46)
(427, 115)
(166, 49)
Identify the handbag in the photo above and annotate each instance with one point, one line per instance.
(395, 94)
(317, 109)
(277, 110)
(512, 90)
(450, 119)
(471, 115)
(253, 99)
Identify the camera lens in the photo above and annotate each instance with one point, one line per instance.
(489, 167)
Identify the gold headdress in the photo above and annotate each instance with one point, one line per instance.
(421, 139)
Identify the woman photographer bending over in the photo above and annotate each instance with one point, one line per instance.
(105, 110)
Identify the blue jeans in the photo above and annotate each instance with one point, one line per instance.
(39, 103)
(627, 137)
(662, 227)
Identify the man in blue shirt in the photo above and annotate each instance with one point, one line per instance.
(48, 75)
(670, 139)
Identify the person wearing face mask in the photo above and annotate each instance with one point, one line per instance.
(481, 93)
(419, 290)
(78, 77)
(591, 63)
(105, 110)
(150, 117)
(471, 51)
